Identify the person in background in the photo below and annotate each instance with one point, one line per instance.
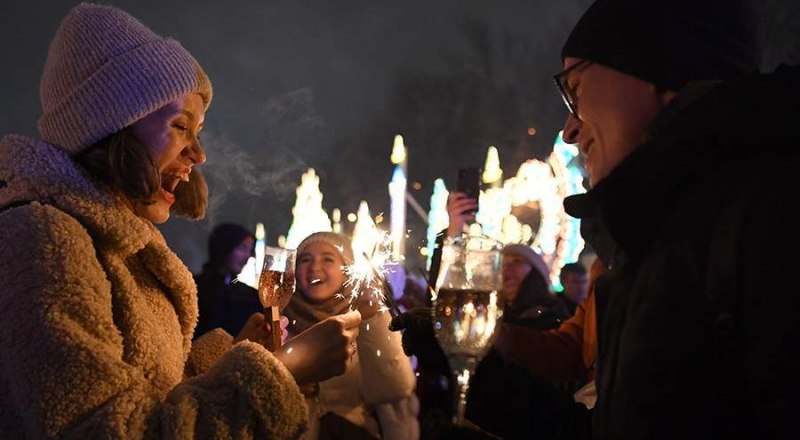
(526, 289)
(415, 294)
(223, 301)
(575, 281)
(98, 313)
(375, 397)
(505, 398)
(565, 354)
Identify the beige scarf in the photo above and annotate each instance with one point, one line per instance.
(303, 314)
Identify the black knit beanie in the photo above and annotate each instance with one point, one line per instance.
(671, 42)
(224, 238)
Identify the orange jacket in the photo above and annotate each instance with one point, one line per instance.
(562, 354)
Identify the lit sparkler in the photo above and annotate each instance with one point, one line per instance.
(367, 274)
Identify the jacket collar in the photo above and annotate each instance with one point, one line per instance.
(33, 170)
(36, 171)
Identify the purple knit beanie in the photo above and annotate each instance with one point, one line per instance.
(105, 70)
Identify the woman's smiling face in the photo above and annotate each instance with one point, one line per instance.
(320, 273)
(171, 136)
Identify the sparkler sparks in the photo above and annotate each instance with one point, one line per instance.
(367, 274)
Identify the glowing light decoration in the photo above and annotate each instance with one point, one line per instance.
(397, 193)
(252, 270)
(365, 233)
(437, 217)
(538, 187)
(399, 153)
(492, 173)
(494, 207)
(308, 215)
(336, 216)
(569, 176)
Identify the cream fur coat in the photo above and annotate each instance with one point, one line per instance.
(377, 390)
(96, 323)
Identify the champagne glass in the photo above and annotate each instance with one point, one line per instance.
(466, 310)
(275, 288)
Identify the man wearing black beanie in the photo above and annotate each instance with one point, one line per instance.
(692, 157)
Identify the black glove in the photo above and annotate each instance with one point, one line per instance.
(419, 339)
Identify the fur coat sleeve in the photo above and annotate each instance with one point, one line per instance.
(206, 351)
(75, 365)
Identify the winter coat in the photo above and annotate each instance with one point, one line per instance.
(535, 306)
(222, 303)
(563, 354)
(96, 322)
(697, 326)
(505, 398)
(376, 392)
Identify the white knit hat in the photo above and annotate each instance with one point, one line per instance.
(536, 261)
(105, 70)
(338, 241)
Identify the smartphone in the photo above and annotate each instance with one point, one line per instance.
(469, 181)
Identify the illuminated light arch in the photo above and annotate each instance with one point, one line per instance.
(535, 194)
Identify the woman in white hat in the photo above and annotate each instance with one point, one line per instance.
(374, 398)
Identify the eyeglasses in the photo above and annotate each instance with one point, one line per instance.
(563, 88)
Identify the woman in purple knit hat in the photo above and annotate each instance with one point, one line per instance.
(97, 314)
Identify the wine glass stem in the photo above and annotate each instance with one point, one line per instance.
(462, 378)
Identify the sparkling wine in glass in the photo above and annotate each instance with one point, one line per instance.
(275, 288)
(466, 310)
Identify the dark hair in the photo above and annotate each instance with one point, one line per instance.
(123, 162)
(576, 268)
(191, 198)
(224, 238)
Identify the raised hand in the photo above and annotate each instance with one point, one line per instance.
(461, 209)
(258, 330)
(323, 351)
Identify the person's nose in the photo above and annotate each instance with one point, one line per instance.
(195, 152)
(315, 266)
(572, 128)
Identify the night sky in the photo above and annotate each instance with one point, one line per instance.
(327, 84)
